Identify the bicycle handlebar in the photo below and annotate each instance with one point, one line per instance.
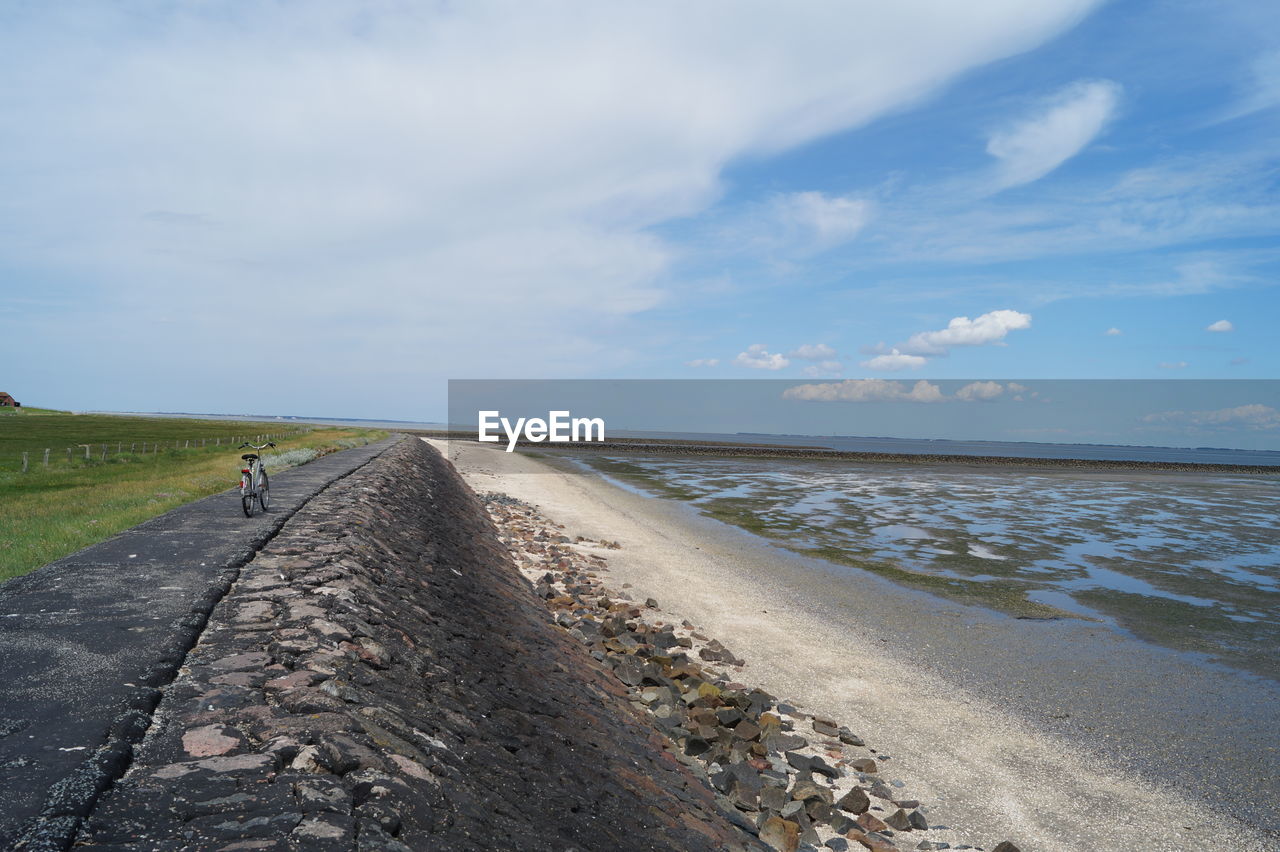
(257, 446)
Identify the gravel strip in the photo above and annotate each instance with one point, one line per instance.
(802, 781)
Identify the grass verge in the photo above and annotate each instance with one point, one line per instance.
(33, 433)
(49, 513)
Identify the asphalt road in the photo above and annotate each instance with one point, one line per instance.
(87, 643)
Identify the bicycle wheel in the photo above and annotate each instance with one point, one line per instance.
(264, 492)
(246, 497)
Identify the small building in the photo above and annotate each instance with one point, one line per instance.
(7, 401)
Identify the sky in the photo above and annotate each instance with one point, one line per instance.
(332, 208)
(1130, 412)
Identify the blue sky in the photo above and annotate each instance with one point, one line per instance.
(332, 208)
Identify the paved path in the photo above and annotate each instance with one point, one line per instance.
(87, 642)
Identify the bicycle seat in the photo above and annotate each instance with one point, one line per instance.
(249, 456)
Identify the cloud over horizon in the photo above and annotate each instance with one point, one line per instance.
(1254, 416)
(884, 390)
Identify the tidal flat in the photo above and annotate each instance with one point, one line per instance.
(1188, 561)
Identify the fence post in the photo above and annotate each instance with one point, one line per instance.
(24, 462)
(119, 447)
(104, 452)
(46, 456)
(68, 454)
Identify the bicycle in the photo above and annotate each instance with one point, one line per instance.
(254, 486)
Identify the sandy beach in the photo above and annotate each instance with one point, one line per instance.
(1051, 754)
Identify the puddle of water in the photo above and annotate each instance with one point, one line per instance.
(1123, 548)
(983, 552)
(1103, 578)
(901, 531)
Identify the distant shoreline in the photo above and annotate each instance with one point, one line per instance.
(865, 448)
(750, 450)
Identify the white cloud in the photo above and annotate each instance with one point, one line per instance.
(991, 327)
(1113, 332)
(825, 220)
(1021, 393)
(1173, 365)
(483, 165)
(1220, 326)
(884, 390)
(470, 165)
(1262, 89)
(980, 391)
(792, 225)
(1059, 130)
(1192, 279)
(824, 369)
(703, 362)
(866, 390)
(1254, 417)
(893, 360)
(812, 352)
(1177, 200)
(758, 358)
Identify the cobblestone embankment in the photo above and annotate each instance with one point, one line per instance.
(381, 678)
(87, 643)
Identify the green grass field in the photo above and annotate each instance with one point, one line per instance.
(49, 512)
(33, 431)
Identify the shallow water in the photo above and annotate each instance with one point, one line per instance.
(1188, 561)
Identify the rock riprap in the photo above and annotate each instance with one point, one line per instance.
(380, 677)
(798, 781)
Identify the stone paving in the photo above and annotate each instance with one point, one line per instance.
(88, 642)
(380, 677)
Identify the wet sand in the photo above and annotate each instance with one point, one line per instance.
(1045, 733)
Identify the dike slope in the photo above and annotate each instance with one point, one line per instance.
(88, 642)
(381, 677)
